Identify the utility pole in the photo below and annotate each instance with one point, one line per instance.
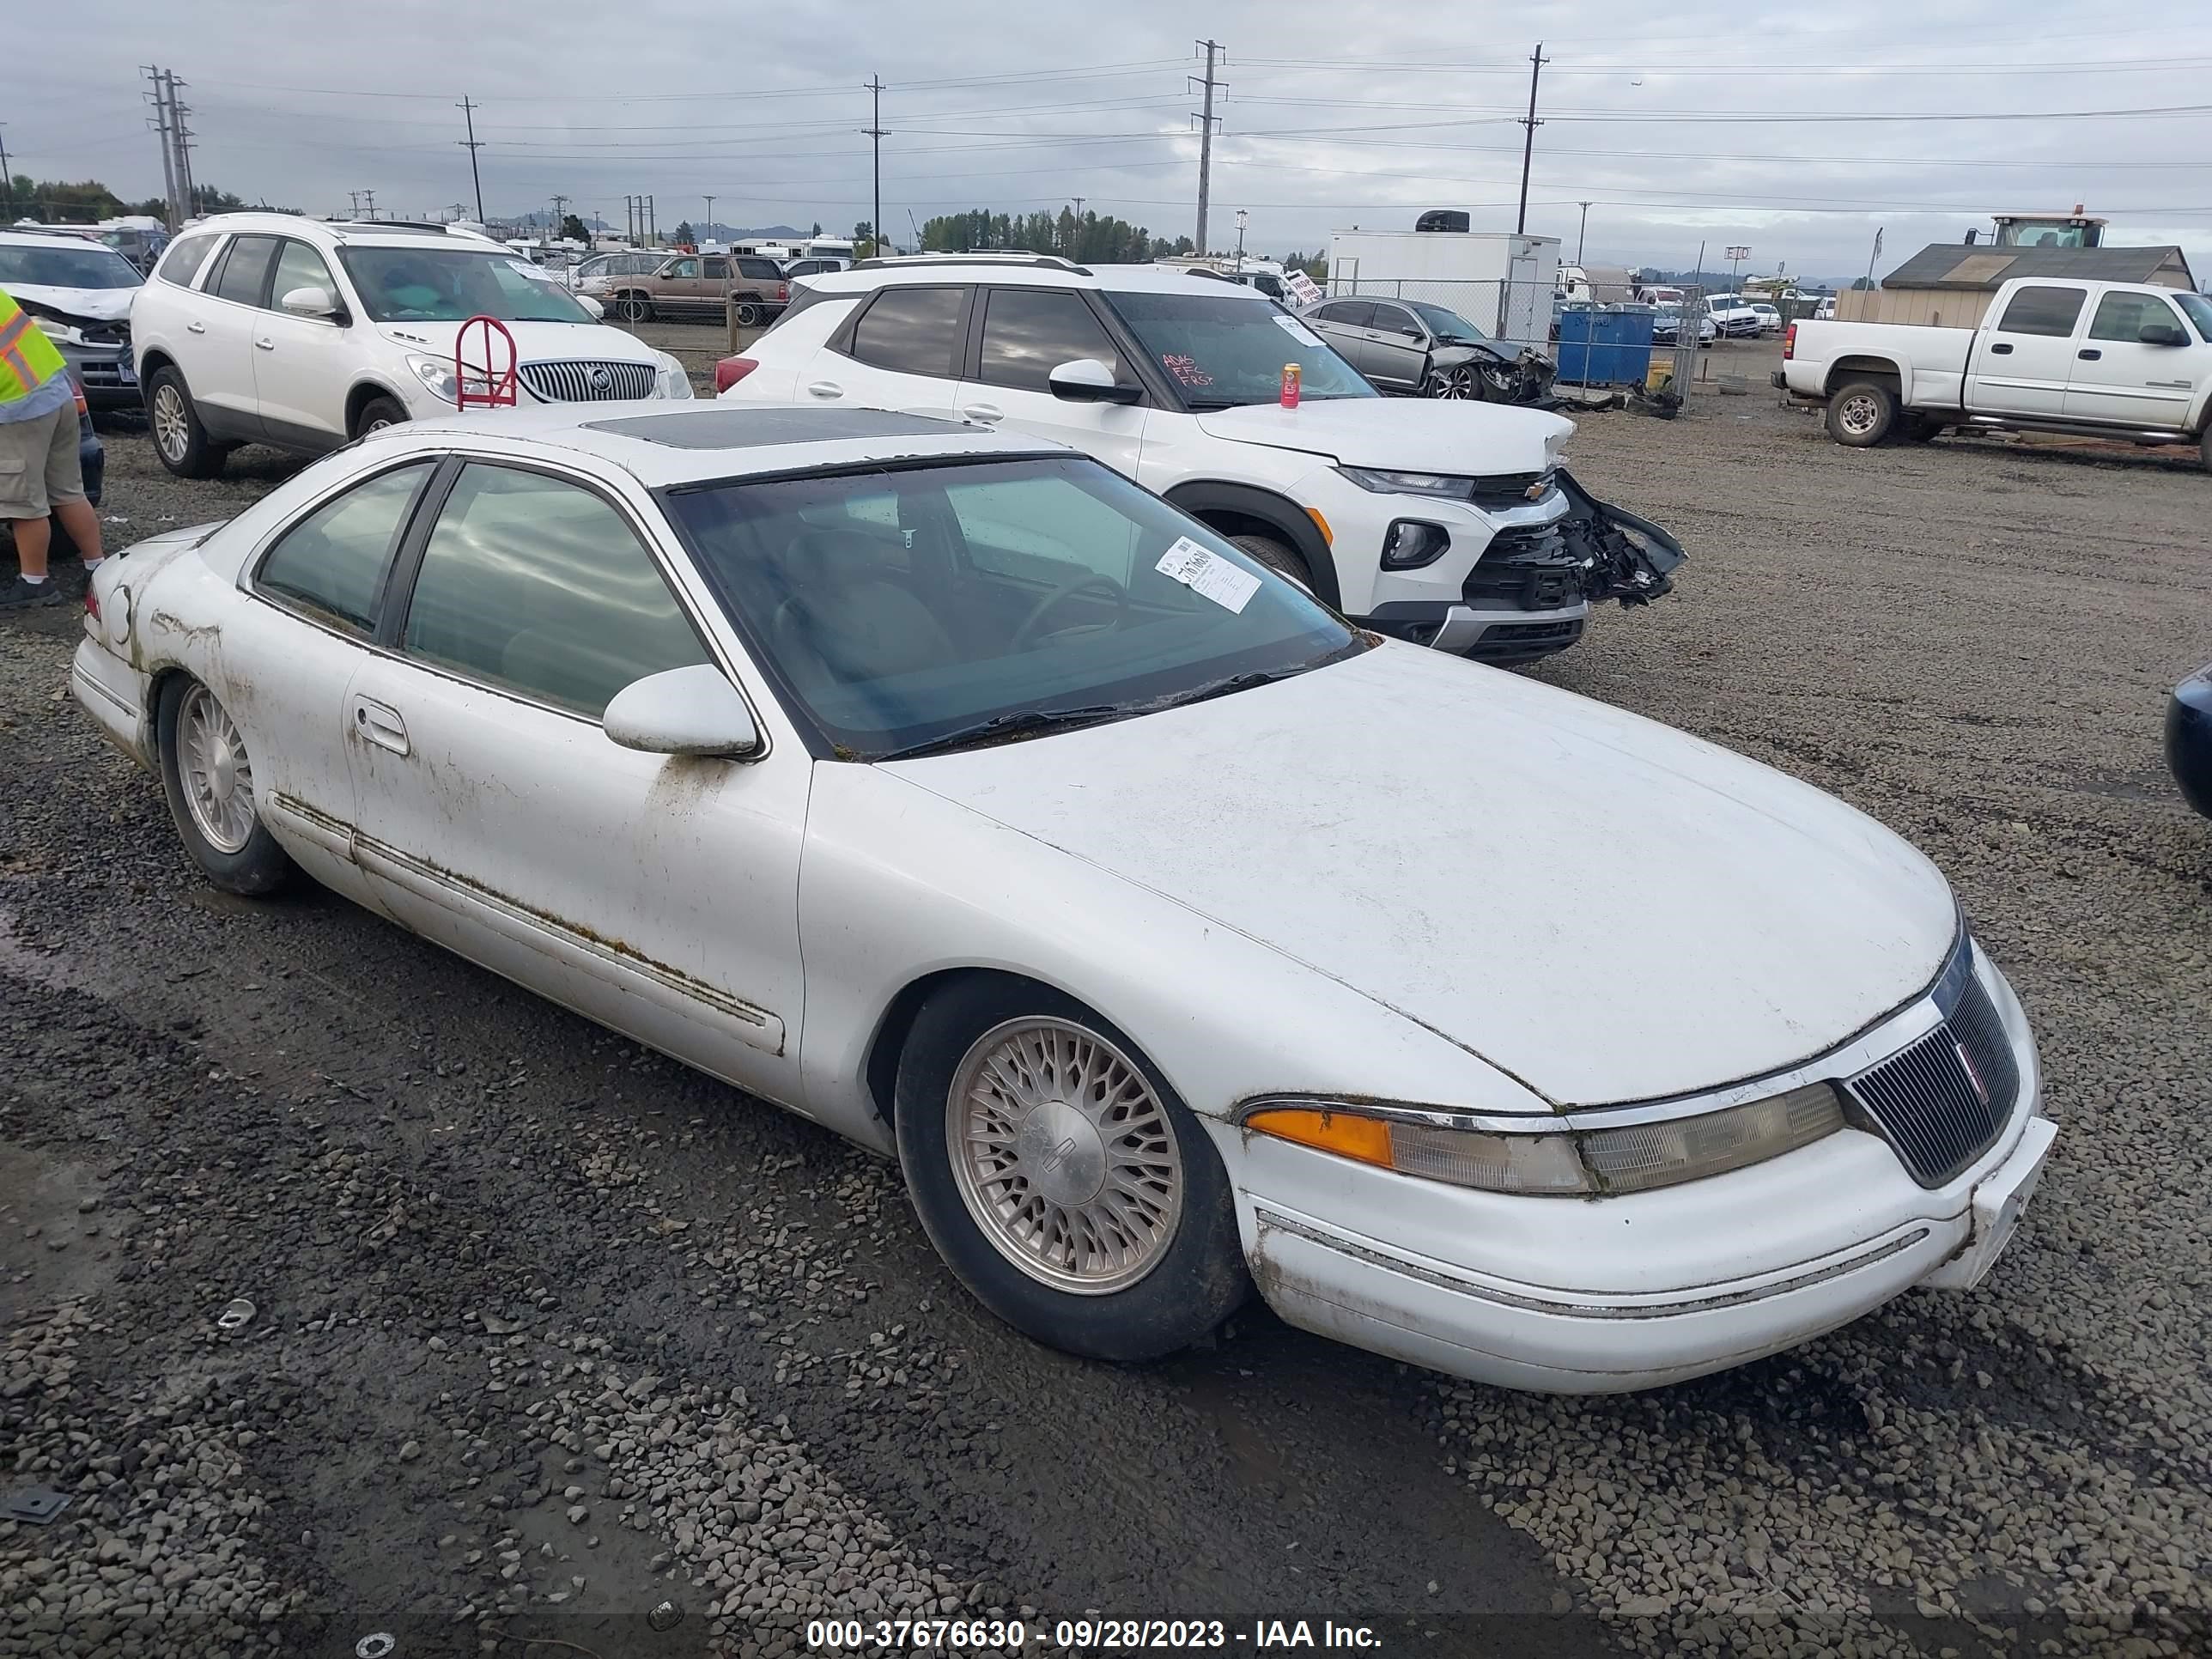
(354, 195)
(1206, 141)
(1536, 62)
(7, 185)
(160, 123)
(875, 131)
(652, 223)
(559, 202)
(472, 144)
(707, 230)
(370, 197)
(1584, 236)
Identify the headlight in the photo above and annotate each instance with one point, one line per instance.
(1561, 1163)
(1408, 484)
(437, 373)
(672, 381)
(1553, 446)
(60, 333)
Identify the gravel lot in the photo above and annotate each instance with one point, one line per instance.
(548, 1333)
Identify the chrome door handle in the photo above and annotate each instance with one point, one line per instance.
(265, 345)
(984, 412)
(380, 724)
(825, 389)
(195, 328)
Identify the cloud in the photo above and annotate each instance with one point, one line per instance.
(1795, 133)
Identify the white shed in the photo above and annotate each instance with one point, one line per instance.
(1500, 282)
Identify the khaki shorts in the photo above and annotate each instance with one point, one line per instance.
(39, 463)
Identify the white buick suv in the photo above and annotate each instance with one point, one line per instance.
(1449, 525)
(269, 328)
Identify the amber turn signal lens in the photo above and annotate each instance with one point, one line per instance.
(1366, 1138)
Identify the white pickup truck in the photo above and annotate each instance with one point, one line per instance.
(2115, 360)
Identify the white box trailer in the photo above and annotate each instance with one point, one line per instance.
(1500, 282)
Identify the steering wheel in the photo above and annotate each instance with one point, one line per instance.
(1080, 582)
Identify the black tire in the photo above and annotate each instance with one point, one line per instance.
(1283, 560)
(258, 866)
(378, 412)
(1862, 414)
(633, 308)
(179, 440)
(1919, 429)
(2204, 449)
(748, 314)
(1197, 1279)
(1464, 384)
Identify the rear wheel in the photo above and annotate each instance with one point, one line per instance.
(179, 440)
(376, 414)
(633, 308)
(209, 778)
(2204, 448)
(1060, 1176)
(1862, 414)
(748, 314)
(1284, 561)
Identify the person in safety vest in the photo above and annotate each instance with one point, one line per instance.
(39, 468)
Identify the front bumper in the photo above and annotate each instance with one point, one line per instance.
(107, 373)
(2189, 739)
(1607, 1294)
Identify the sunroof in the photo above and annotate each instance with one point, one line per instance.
(749, 427)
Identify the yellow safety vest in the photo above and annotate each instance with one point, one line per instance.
(27, 358)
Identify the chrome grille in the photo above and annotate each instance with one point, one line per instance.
(1942, 1102)
(587, 382)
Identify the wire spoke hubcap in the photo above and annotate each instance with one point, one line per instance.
(217, 773)
(1063, 1155)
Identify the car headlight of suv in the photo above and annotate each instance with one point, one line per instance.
(1558, 1161)
(671, 382)
(436, 373)
(1410, 483)
(61, 333)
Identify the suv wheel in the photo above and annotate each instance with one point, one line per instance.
(179, 440)
(633, 308)
(1283, 560)
(748, 314)
(376, 414)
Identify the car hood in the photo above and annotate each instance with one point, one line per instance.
(1602, 907)
(1401, 433)
(1459, 351)
(91, 305)
(534, 342)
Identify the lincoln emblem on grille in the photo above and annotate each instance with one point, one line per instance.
(601, 380)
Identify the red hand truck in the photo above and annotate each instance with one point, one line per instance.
(484, 384)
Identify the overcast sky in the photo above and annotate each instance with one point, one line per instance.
(1795, 130)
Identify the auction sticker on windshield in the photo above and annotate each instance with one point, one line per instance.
(1207, 573)
(1297, 331)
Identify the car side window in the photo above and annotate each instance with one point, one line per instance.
(2048, 311)
(298, 266)
(760, 271)
(537, 585)
(683, 269)
(332, 561)
(2121, 316)
(717, 270)
(910, 330)
(182, 263)
(245, 270)
(1029, 331)
(1393, 319)
(1353, 313)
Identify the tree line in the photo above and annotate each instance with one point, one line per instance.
(87, 201)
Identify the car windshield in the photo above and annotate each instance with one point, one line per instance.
(1221, 350)
(453, 284)
(67, 264)
(1448, 325)
(933, 605)
(2200, 312)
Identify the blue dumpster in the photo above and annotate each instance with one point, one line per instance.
(1605, 345)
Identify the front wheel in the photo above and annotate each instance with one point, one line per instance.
(179, 440)
(376, 414)
(1060, 1176)
(207, 777)
(1862, 415)
(1284, 561)
(1455, 383)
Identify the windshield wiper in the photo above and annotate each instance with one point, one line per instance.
(1234, 682)
(1017, 723)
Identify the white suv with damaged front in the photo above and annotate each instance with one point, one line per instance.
(1447, 524)
(267, 328)
(951, 790)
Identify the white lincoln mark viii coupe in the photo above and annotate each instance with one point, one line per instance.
(1175, 936)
